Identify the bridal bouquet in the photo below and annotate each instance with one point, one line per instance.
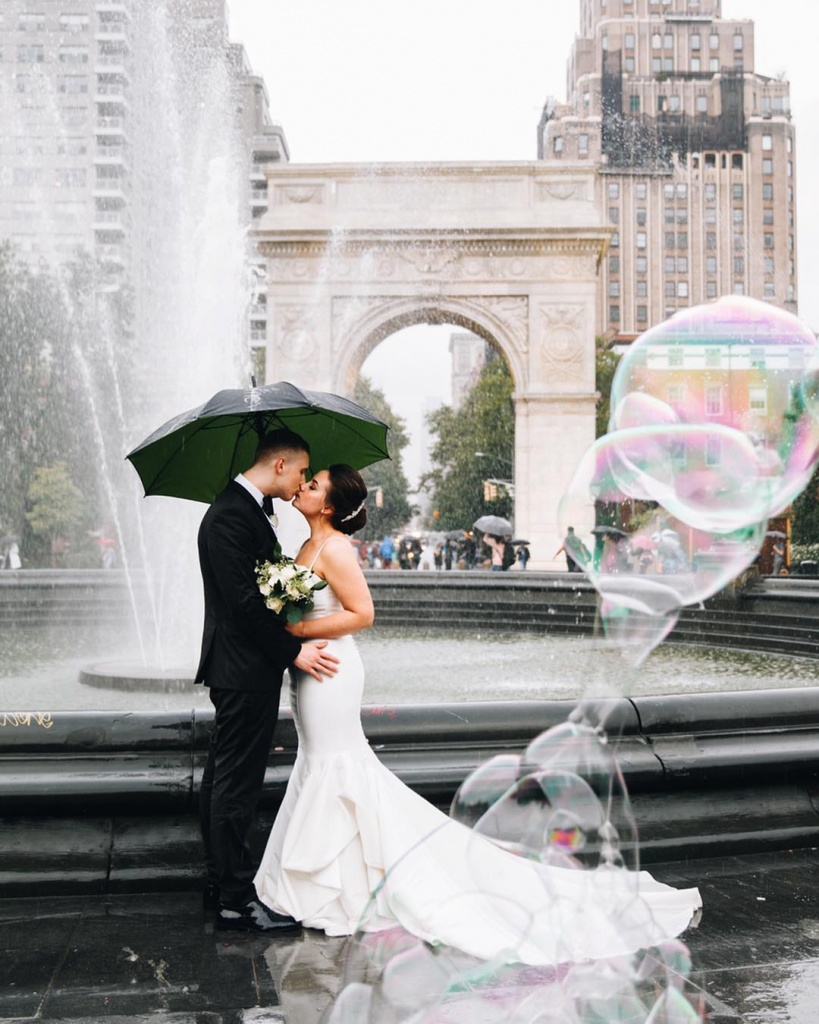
(287, 588)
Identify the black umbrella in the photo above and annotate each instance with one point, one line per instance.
(611, 531)
(195, 454)
(517, 542)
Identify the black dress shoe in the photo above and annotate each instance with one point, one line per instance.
(254, 917)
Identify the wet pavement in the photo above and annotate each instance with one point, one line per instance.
(156, 956)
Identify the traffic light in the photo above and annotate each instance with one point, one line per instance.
(490, 490)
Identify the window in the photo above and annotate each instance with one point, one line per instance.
(768, 264)
(73, 55)
(682, 240)
(74, 23)
(713, 400)
(668, 214)
(641, 215)
(656, 41)
(738, 215)
(640, 240)
(31, 23)
(682, 264)
(713, 451)
(710, 239)
(668, 191)
(557, 144)
(696, 41)
(670, 240)
(790, 168)
(769, 290)
(670, 264)
(710, 264)
(72, 147)
(739, 241)
(615, 241)
(613, 190)
(767, 191)
(641, 289)
(634, 104)
(768, 240)
(702, 103)
(682, 191)
(758, 400)
(668, 41)
(696, 64)
(614, 264)
(713, 41)
(668, 64)
(682, 215)
(676, 393)
(640, 190)
(767, 143)
(767, 216)
(656, 65)
(739, 288)
(614, 289)
(614, 314)
(674, 104)
(72, 84)
(642, 314)
(739, 266)
(713, 64)
(710, 192)
(682, 289)
(739, 42)
(31, 53)
(582, 145)
(629, 40)
(711, 289)
(614, 214)
(670, 290)
(641, 264)
(767, 165)
(737, 191)
(69, 177)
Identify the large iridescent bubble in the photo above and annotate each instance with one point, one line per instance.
(736, 363)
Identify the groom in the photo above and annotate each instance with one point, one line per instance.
(245, 650)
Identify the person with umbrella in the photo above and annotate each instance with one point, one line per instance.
(245, 651)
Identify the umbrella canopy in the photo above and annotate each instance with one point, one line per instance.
(455, 535)
(776, 533)
(195, 454)
(611, 531)
(493, 524)
(519, 540)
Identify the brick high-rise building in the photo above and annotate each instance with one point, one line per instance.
(696, 154)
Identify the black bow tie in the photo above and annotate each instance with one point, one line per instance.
(267, 505)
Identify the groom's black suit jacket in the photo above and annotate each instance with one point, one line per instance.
(244, 645)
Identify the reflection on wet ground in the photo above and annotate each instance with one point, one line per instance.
(756, 953)
(41, 671)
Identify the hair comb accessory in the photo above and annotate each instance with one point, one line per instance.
(353, 514)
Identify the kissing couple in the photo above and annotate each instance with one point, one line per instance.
(351, 845)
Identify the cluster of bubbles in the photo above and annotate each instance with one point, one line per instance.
(714, 430)
(562, 803)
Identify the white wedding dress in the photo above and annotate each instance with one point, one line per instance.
(346, 823)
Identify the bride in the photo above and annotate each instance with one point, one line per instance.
(348, 829)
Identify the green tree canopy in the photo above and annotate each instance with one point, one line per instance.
(485, 423)
(605, 366)
(388, 507)
(55, 504)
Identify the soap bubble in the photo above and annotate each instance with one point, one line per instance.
(737, 363)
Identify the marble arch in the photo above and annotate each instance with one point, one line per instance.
(509, 251)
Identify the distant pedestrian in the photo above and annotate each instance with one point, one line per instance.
(575, 550)
(438, 556)
(387, 552)
(523, 556)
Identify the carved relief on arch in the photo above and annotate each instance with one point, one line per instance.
(294, 328)
(561, 346)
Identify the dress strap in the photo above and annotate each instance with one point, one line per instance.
(321, 548)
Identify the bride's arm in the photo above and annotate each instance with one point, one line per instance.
(340, 567)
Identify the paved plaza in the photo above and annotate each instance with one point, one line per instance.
(134, 957)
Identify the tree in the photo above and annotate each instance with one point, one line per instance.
(805, 528)
(605, 366)
(388, 508)
(485, 423)
(55, 507)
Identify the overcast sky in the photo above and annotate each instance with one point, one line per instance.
(381, 80)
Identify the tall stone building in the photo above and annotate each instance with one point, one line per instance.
(97, 94)
(696, 154)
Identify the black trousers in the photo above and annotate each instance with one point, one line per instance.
(232, 784)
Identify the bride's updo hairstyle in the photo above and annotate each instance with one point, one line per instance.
(347, 493)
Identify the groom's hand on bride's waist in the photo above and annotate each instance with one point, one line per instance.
(315, 661)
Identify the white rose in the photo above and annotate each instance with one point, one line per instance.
(265, 588)
(275, 604)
